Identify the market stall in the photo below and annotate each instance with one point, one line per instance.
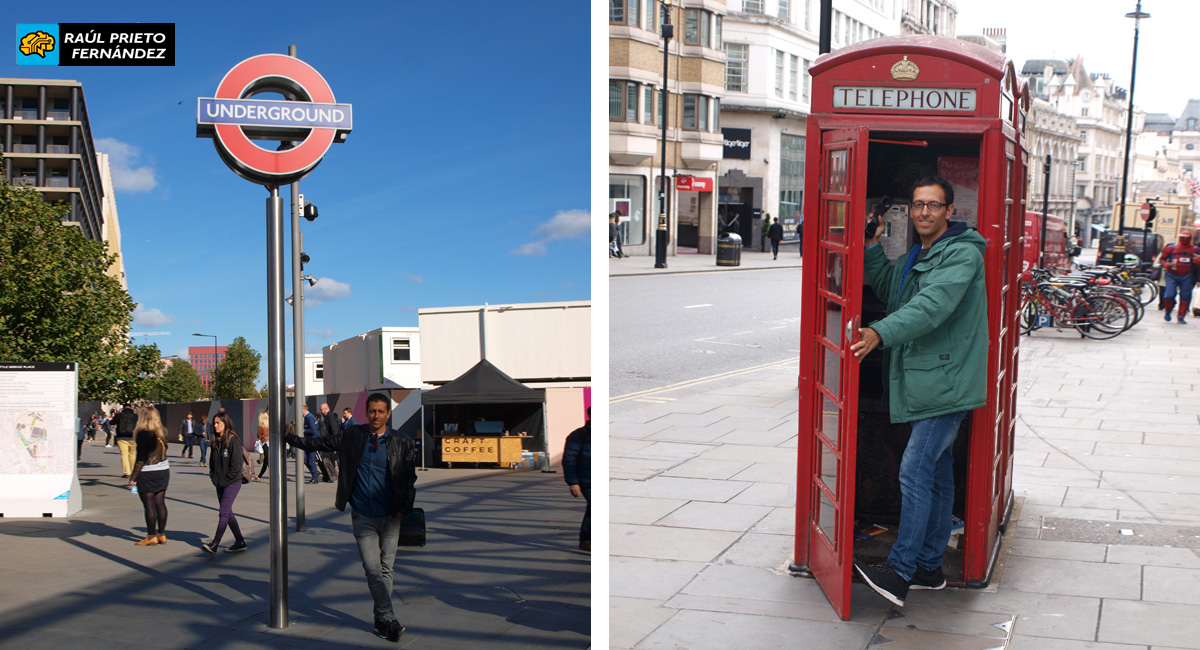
(484, 416)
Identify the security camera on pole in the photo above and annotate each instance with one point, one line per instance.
(312, 119)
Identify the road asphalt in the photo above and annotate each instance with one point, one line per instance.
(501, 568)
(1102, 550)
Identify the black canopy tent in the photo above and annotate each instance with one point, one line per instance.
(487, 392)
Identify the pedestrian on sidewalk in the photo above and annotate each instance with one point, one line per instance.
(106, 424)
(79, 437)
(311, 430)
(377, 480)
(348, 418)
(775, 234)
(263, 443)
(151, 474)
(205, 439)
(225, 471)
(935, 333)
(1180, 271)
(577, 470)
(126, 423)
(187, 432)
(614, 236)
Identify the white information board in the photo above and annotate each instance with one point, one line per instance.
(38, 422)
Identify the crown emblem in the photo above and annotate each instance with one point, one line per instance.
(905, 70)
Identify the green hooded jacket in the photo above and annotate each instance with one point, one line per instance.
(935, 332)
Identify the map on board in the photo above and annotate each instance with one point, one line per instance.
(37, 418)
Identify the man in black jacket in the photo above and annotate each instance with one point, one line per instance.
(377, 478)
(577, 470)
(126, 423)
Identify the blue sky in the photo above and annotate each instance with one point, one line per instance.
(464, 181)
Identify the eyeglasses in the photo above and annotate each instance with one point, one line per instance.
(934, 206)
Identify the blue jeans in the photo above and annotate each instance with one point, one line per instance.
(1181, 283)
(376, 537)
(926, 494)
(310, 460)
(585, 529)
(203, 449)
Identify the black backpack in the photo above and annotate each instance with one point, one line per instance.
(126, 423)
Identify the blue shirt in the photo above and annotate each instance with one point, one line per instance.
(371, 496)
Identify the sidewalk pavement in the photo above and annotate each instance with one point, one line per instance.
(1104, 548)
(690, 262)
(500, 569)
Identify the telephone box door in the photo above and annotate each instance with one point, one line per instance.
(831, 399)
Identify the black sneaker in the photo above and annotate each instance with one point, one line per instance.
(381, 629)
(882, 577)
(209, 548)
(925, 579)
(395, 630)
(237, 546)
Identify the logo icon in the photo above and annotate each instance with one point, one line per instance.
(38, 43)
(905, 70)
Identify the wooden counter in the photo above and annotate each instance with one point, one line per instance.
(503, 450)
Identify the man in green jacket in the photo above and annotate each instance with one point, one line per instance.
(935, 338)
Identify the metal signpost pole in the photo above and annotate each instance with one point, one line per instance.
(298, 348)
(275, 402)
(660, 234)
(1045, 212)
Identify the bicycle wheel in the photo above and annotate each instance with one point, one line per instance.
(1136, 309)
(1100, 317)
(1147, 289)
(1030, 314)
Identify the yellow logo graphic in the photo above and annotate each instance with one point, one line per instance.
(38, 43)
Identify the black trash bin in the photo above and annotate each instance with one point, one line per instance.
(729, 249)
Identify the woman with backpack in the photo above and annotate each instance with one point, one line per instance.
(151, 474)
(225, 469)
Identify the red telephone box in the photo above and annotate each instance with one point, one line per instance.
(884, 113)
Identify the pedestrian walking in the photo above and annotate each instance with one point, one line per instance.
(225, 471)
(263, 442)
(205, 438)
(151, 474)
(331, 425)
(1181, 269)
(377, 480)
(935, 334)
(614, 236)
(775, 234)
(577, 470)
(187, 433)
(79, 437)
(126, 424)
(348, 418)
(106, 425)
(311, 430)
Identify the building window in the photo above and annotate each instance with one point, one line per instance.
(792, 74)
(736, 63)
(778, 73)
(697, 28)
(785, 11)
(807, 81)
(752, 6)
(401, 350)
(695, 112)
(661, 108)
(717, 32)
(627, 195)
(648, 103)
(791, 179)
(1191, 124)
(1187, 167)
(1084, 111)
(1082, 161)
(623, 100)
(1189, 146)
(318, 371)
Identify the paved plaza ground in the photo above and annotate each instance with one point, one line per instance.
(501, 569)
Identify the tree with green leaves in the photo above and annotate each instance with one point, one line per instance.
(59, 303)
(180, 383)
(237, 374)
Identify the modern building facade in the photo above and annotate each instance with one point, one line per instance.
(695, 72)
(205, 359)
(382, 359)
(48, 146)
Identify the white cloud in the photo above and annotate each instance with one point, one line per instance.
(413, 277)
(326, 290)
(325, 333)
(123, 159)
(565, 224)
(143, 317)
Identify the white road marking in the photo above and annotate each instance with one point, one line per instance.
(696, 306)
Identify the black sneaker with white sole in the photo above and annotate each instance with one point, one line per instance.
(237, 546)
(926, 579)
(209, 547)
(882, 577)
(391, 630)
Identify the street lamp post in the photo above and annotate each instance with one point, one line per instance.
(213, 372)
(1137, 16)
(660, 235)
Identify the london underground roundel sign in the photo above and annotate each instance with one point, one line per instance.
(309, 118)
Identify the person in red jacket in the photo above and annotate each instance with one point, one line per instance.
(1179, 262)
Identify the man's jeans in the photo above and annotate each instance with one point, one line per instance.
(310, 460)
(376, 537)
(926, 494)
(585, 529)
